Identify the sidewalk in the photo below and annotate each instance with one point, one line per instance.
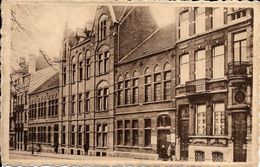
(74, 157)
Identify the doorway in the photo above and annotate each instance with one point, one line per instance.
(239, 135)
(162, 142)
(184, 135)
(56, 137)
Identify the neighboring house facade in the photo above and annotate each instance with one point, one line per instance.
(214, 84)
(145, 97)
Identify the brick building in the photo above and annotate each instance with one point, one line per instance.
(214, 101)
(128, 90)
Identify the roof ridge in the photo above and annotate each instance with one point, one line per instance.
(124, 18)
(112, 12)
(157, 30)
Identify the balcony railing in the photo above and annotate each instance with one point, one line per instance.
(238, 68)
(237, 14)
(196, 86)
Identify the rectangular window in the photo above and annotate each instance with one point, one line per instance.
(73, 135)
(104, 137)
(147, 132)
(106, 64)
(64, 105)
(219, 118)
(218, 62)
(49, 134)
(80, 105)
(105, 107)
(102, 30)
(200, 61)
(184, 25)
(127, 92)
(201, 119)
(80, 135)
(73, 105)
(148, 88)
(240, 47)
(135, 90)
(200, 20)
(184, 68)
(127, 133)
(81, 71)
(100, 63)
(135, 133)
(167, 85)
(157, 87)
(64, 135)
(119, 132)
(73, 73)
(88, 68)
(64, 75)
(218, 17)
(120, 93)
(87, 107)
(99, 135)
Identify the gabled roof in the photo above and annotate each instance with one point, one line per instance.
(38, 78)
(161, 39)
(120, 12)
(50, 83)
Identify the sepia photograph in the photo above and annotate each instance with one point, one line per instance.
(140, 83)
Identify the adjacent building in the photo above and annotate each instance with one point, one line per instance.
(214, 84)
(128, 90)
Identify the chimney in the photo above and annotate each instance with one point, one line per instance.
(32, 63)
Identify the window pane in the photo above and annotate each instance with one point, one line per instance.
(218, 62)
(200, 70)
(184, 68)
(218, 17)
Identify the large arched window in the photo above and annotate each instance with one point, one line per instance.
(102, 30)
(127, 88)
(81, 65)
(120, 86)
(88, 64)
(157, 83)
(102, 96)
(167, 81)
(147, 85)
(74, 66)
(103, 57)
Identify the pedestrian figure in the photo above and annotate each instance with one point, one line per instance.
(56, 149)
(86, 149)
(38, 148)
(170, 152)
(164, 153)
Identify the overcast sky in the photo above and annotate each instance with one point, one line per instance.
(43, 25)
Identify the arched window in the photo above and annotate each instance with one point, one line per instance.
(120, 86)
(102, 33)
(102, 96)
(103, 63)
(157, 83)
(167, 82)
(147, 85)
(217, 157)
(81, 65)
(164, 121)
(127, 88)
(74, 66)
(88, 63)
(135, 87)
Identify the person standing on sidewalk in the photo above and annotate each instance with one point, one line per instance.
(170, 152)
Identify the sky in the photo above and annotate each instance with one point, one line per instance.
(41, 25)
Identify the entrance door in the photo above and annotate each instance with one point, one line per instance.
(162, 142)
(184, 143)
(239, 135)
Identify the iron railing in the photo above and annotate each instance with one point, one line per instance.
(238, 68)
(196, 86)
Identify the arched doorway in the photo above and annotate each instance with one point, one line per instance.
(163, 135)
